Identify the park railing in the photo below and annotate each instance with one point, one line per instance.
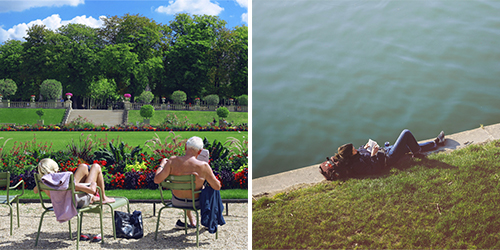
(231, 108)
(133, 106)
(45, 105)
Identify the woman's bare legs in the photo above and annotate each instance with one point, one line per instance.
(83, 175)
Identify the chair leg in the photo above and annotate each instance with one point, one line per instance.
(185, 222)
(158, 222)
(17, 204)
(11, 215)
(197, 229)
(79, 218)
(102, 230)
(39, 227)
(113, 222)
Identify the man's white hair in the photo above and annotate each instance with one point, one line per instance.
(195, 143)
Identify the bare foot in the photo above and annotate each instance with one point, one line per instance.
(108, 200)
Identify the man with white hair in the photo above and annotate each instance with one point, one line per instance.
(185, 165)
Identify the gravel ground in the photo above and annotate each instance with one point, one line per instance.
(54, 235)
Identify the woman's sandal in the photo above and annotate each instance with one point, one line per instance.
(84, 237)
(97, 238)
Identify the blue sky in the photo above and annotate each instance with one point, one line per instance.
(18, 15)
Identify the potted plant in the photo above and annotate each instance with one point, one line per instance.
(32, 98)
(127, 97)
(69, 95)
(40, 113)
(147, 111)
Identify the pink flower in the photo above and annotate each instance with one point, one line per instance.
(69, 94)
(127, 95)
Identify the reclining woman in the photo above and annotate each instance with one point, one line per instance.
(367, 160)
(86, 179)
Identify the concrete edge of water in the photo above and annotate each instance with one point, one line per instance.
(310, 175)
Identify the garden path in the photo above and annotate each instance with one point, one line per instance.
(98, 117)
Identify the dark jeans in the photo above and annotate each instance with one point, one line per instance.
(407, 143)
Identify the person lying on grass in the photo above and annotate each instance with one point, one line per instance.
(367, 160)
(86, 177)
(185, 165)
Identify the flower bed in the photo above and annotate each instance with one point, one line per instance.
(124, 167)
(7, 127)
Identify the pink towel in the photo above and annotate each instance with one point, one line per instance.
(62, 201)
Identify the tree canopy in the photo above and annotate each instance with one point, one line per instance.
(193, 53)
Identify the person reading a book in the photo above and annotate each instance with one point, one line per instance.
(369, 159)
(190, 163)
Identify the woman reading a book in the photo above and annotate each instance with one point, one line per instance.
(369, 160)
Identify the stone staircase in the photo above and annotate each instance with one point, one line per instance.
(98, 117)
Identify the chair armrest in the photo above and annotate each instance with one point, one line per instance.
(14, 187)
(100, 195)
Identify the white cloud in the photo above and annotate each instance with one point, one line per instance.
(243, 3)
(20, 5)
(18, 32)
(244, 17)
(196, 7)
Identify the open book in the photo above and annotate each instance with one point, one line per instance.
(371, 144)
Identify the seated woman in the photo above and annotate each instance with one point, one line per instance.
(350, 161)
(86, 179)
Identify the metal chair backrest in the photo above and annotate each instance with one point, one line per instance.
(180, 182)
(5, 181)
(42, 187)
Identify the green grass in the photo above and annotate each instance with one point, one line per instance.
(133, 138)
(194, 117)
(448, 200)
(141, 194)
(22, 116)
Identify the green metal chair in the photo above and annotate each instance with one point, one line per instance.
(9, 199)
(93, 208)
(183, 182)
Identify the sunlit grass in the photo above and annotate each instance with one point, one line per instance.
(449, 200)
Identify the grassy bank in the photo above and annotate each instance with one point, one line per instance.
(142, 194)
(193, 117)
(28, 116)
(22, 116)
(60, 139)
(449, 200)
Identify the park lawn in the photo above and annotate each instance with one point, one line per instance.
(445, 201)
(22, 116)
(194, 117)
(140, 194)
(60, 139)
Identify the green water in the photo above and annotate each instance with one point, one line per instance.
(327, 73)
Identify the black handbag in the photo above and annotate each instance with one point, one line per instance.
(129, 226)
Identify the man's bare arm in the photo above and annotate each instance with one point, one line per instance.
(210, 177)
(163, 171)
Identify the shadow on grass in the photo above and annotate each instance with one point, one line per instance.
(409, 162)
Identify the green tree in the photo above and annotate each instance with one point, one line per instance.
(147, 111)
(211, 99)
(185, 56)
(222, 112)
(118, 63)
(7, 88)
(242, 100)
(228, 63)
(179, 97)
(10, 65)
(51, 89)
(35, 57)
(146, 97)
(78, 58)
(103, 89)
(145, 38)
